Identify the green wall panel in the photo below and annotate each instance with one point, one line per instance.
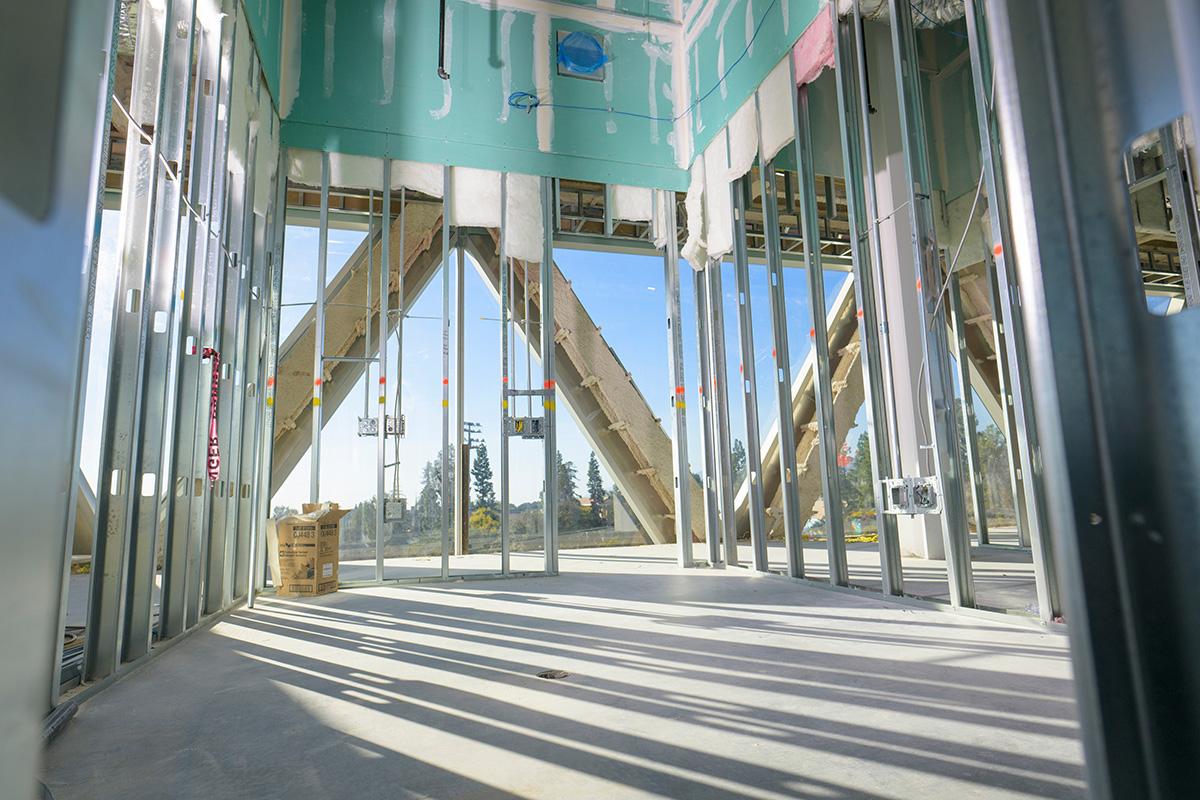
(266, 29)
(350, 94)
(718, 38)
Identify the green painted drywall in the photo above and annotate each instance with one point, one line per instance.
(265, 18)
(343, 103)
(655, 9)
(718, 37)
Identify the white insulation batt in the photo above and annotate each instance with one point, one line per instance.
(718, 205)
(743, 140)
(661, 201)
(695, 249)
(474, 197)
(633, 203)
(425, 178)
(524, 235)
(363, 172)
(939, 10)
(776, 110)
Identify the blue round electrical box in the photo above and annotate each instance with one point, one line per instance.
(581, 53)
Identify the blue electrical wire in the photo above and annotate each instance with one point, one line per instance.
(527, 101)
(943, 27)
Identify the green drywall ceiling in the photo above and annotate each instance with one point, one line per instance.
(718, 36)
(343, 104)
(266, 29)
(655, 9)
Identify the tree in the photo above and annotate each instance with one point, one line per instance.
(858, 489)
(429, 501)
(481, 476)
(283, 511)
(570, 510)
(596, 492)
(738, 457)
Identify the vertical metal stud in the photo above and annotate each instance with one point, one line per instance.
(461, 476)
(188, 385)
(120, 476)
(938, 383)
(549, 429)
(385, 330)
(782, 377)
(505, 288)
(827, 441)
(849, 65)
(683, 505)
(1181, 191)
(1031, 490)
(708, 477)
(749, 387)
(967, 404)
(314, 482)
(720, 400)
(447, 499)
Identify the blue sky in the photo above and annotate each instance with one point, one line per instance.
(624, 295)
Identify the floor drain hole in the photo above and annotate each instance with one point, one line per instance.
(553, 674)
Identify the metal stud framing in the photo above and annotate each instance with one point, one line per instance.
(704, 396)
(868, 283)
(120, 473)
(683, 506)
(1030, 484)
(938, 383)
(549, 426)
(827, 440)
(782, 376)
(720, 412)
(749, 387)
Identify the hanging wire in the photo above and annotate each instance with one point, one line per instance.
(527, 101)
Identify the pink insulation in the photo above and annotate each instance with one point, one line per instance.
(813, 51)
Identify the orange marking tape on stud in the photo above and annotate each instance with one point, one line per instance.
(445, 381)
(812, 333)
(317, 382)
(918, 284)
(270, 382)
(998, 250)
(382, 381)
(860, 313)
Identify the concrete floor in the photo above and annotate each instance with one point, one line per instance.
(684, 684)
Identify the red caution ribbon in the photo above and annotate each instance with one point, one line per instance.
(214, 449)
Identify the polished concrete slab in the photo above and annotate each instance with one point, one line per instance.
(683, 684)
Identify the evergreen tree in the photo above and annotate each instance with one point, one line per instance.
(481, 476)
(429, 501)
(738, 457)
(596, 491)
(570, 510)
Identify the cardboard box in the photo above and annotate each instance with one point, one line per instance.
(303, 550)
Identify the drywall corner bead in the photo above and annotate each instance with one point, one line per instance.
(776, 109)
(718, 205)
(424, 178)
(632, 203)
(525, 235)
(475, 197)
(695, 248)
(743, 140)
